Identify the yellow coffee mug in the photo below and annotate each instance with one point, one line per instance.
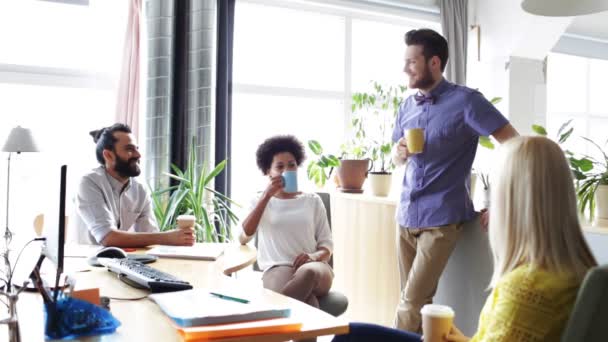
(414, 138)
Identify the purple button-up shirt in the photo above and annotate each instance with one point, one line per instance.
(436, 183)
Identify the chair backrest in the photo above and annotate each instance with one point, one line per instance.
(325, 197)
(589, 319)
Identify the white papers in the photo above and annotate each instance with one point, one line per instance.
(199, 307)
(200, 251)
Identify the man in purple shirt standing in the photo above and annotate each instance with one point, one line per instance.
(435, 200)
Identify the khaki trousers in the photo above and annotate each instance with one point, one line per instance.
(311, 280)
(422, 254)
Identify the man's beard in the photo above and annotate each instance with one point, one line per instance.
(127, 168)
(425, 82)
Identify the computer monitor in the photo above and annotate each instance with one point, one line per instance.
(54, 230)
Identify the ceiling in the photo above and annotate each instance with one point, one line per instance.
(592, 25)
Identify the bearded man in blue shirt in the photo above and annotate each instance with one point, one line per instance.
(435, 199)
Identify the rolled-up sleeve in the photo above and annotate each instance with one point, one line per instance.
(93, 209)
(322, 230)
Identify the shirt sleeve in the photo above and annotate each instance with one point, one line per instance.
(146, 222)
(94, 210)
(482, 116)
(243, 237)
(322, 230)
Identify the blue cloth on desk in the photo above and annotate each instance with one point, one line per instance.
(72, 318)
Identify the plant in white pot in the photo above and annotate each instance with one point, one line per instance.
(590, 175)
(374, 115)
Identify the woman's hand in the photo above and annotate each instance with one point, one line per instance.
(456, 335)
(302, 259)
(274, 186)
(484, 219)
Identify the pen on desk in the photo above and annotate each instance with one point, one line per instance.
(219, 295)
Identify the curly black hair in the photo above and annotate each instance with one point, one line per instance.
(275, 145)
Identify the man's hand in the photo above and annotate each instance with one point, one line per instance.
(400, 152)
(484, 219)
(456, 335)
(301, 260)
(180, 237)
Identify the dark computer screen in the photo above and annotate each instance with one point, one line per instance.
(54, 230)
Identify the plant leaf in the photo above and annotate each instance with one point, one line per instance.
(565, 136)
(540, 130)
(486, 142)
(315, 147)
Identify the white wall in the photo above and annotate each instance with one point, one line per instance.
(513, 45)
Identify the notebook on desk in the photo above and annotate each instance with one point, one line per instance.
(269, 326)
(201, 307)
(200, 251)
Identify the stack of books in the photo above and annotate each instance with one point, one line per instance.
(202, 314)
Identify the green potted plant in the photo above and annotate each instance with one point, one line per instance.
(317, 166)
(193, 195)
(376, 111)
(590, 175)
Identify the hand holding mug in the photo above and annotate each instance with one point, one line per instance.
(402, 151)
(274, 186)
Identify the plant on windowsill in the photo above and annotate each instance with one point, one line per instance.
(317, 167)
(590, 175)
(377, 111)
(374, 114)
(193, 195)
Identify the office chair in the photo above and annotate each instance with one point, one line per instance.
(334, 303)
(590, 314)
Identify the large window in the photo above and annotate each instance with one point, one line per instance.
(59, 68)
(296, 65)
(575, 90)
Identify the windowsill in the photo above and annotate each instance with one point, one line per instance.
(366, 196)
(601, 229)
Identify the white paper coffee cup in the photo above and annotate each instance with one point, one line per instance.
(186, 221)
(437, 321)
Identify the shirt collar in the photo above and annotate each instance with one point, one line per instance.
(116, 184)
(441, 88)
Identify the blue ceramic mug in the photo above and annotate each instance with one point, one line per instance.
(290, 181)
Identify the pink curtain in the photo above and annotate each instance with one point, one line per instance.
(127, 104)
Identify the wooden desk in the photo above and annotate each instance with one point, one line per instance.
(142, 320)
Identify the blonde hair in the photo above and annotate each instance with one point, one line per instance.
(533, 213)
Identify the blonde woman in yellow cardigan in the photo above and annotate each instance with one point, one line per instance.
(540, 254)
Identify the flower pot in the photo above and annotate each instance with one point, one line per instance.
(352, 174)
(381, 183)
(601, 205)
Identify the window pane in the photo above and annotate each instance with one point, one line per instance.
(51, 34)
(597, 133)
(60, 119)
(567, 84)
(598, 74)
(288, 48)
(378, 53)
(257, 117)
(574, 143)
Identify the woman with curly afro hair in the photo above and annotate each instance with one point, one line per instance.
(294, 239)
